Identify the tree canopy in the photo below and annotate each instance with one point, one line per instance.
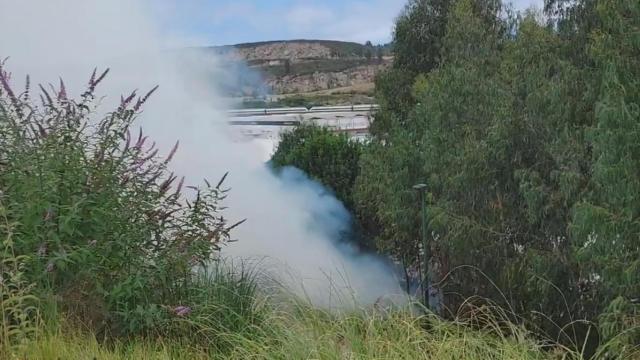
(525, 128)
(528, 141)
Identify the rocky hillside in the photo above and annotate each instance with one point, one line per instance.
(325, 80)
(303, 66)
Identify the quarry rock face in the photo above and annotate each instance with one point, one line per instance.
(302, 66)
(290, 84)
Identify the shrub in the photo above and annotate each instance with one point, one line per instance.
(100, 221)
(329, 158)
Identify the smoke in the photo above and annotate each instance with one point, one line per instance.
(239, 79)
(292, 222)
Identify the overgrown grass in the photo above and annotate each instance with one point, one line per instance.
(18, 307)
(307, 333)
(82, 347)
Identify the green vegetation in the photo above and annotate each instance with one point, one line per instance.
(526, 134)
(331, 159)
(92, 228)
(328, 158)
(311, 66)
(101, 258)
(342, 49)
(305, 333)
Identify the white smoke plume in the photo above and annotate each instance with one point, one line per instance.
(292, 223)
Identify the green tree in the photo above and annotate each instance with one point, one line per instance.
(458, 107)
(386, 204)
(330, 158)
(393, 93)
(606, 226)
(480, 129)
(548, 162)
(417, 38)
(394, 161)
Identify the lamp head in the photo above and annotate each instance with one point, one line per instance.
(420, 187)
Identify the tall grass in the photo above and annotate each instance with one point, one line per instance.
(309, 333)
(18, 306)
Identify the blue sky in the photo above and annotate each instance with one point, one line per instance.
(220, 22)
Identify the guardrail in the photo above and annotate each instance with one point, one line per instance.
(266, 123)
(302, 110)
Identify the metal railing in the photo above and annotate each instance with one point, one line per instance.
(302, 110)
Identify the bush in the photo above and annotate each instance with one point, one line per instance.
(330, 158)
(100, 221)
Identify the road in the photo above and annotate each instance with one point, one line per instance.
(265, 126)
(270, 123)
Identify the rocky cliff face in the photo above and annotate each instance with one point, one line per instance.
(289, 67)
(291, 84)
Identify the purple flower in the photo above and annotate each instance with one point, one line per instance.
(182, 310)
(51, 267)
(62, 94)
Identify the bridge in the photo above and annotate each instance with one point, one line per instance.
(268, 124)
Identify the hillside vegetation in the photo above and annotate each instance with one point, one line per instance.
(310, 49)
(525, 130)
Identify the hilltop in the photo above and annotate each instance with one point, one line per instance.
(298, 49)
(314, 68)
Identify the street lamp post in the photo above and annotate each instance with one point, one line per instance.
(422, 189)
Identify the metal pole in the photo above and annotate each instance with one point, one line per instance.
(427, 250)
(425, 243)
